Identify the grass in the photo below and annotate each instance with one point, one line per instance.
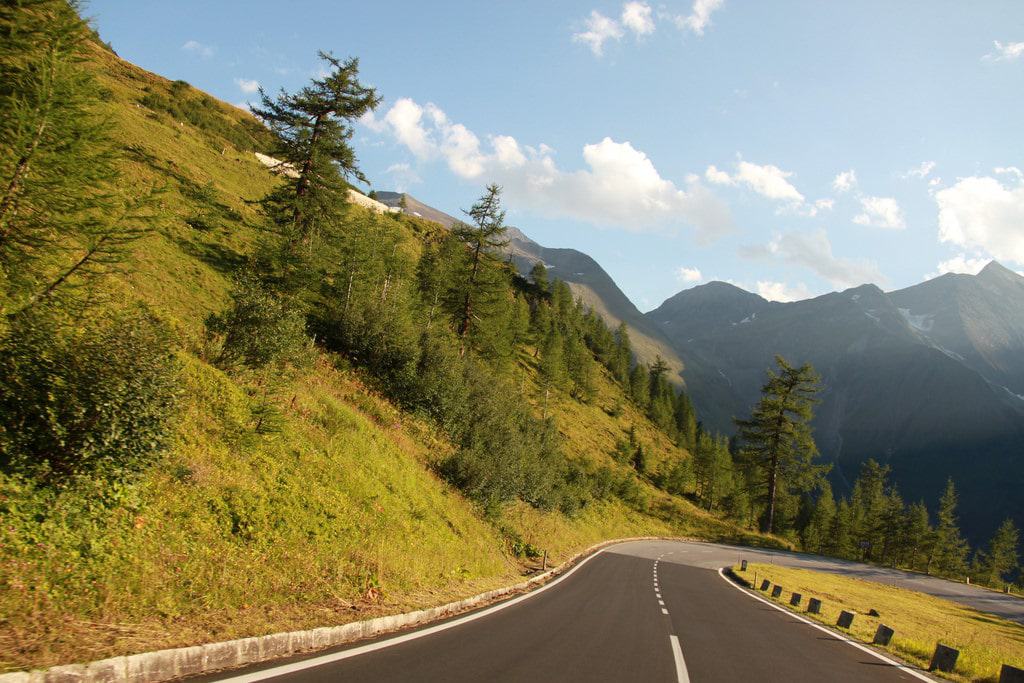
(336, 516)
(986, 642)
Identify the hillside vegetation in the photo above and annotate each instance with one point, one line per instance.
(208, 434)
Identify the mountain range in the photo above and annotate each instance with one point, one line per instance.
(928, 380)
(925, 379)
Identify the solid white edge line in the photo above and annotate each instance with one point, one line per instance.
(284, 669)
(838, 636)
(677, 653)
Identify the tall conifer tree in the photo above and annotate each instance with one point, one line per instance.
(777, 438)
(484, 237)
(950, 555)
(312, 129)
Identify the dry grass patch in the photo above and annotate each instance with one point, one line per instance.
(986, 642)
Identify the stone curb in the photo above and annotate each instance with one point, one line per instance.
(166, 665)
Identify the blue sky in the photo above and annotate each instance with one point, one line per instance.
(792, 148)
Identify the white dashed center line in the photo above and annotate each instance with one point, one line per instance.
(682, 675)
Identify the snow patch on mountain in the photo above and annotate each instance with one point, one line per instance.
(922, 323)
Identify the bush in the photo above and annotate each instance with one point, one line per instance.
(505, 453)
(260, 328)
(96, 398)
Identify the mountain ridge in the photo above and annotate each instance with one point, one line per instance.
(928, 379)
(584, 275)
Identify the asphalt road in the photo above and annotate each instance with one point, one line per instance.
(639, 611)
(713, 555)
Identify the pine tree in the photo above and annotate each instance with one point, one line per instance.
(539, 277)
(895, 540)
(816, 533)
(312, 129)
(1001, 560)
(640, 460)
(640, 386)
(685, 421)
(713, 470)
(439, 266)
(919, 536)
(552, 363)
(623, 355)
(950, 555)
(479, 287)
(777, 438)
(840, 539)
(580, 366)
(868, 504)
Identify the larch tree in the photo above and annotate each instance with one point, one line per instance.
(816, 533)
(622, 354)
(64, 220)
(539, 277)
(777, 439)
(312, 129)
(484, 238)
(918, 535)
(1001, 560)
(950, 550)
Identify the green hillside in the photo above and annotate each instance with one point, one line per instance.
(284, 502)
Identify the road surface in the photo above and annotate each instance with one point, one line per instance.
(1007, 606)
(638, 611)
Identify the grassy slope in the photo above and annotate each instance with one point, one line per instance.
(335, 518)
(985, 642)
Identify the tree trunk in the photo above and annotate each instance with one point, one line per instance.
(467, 307)
(302, 189)
(773, 478)
(13, 187)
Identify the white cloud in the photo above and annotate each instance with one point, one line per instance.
(599, 29)
(1010, 170)
(507, 151)
(246, 85)
(718, 177)
(845, 181)
(984, 214)
(699, 17)
(961, 263)
(813, 250)
(1005, 52)
(922, 170)
(403, 175)
(880, 212)
(636, 16)
(767, 180)
(780, 291)
(684, 274)
(825, 204)
(197, 48)
(405, 119)
(618, 186)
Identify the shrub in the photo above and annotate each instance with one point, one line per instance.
(93, 398)
(260, 328)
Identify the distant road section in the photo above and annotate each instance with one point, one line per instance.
(637, 611)
(713, 556)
